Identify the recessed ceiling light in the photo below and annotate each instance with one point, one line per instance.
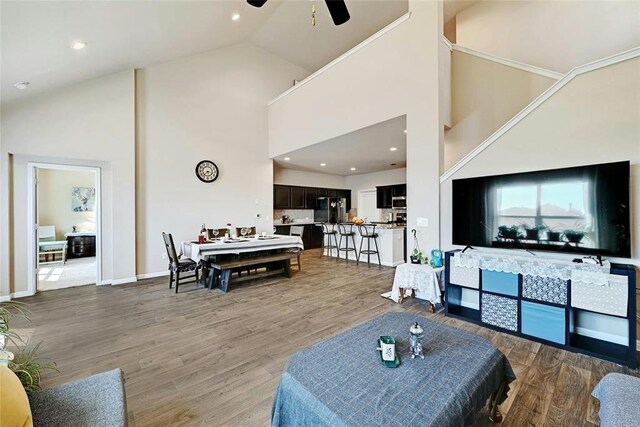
(235, 17)
(405, 131)
(78, 45)
(286, 159)
(21, 85)
(393, 149)
(353, 169)
(323, 164)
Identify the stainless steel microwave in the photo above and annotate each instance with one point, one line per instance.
(399, 202)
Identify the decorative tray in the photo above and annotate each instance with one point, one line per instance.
(390, 363)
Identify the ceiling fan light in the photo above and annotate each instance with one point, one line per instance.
(338, 11)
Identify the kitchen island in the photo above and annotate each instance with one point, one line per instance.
(391, 244)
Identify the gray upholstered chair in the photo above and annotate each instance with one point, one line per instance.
(96, 401)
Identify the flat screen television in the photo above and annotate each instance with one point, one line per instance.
(582, 210)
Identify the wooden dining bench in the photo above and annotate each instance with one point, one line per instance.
(279, 263)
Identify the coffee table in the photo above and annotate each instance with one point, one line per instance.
(341, 382)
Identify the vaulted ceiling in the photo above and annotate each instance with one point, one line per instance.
(36, 36)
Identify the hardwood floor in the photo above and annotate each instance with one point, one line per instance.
(208, 358)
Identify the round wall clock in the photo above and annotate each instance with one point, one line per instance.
(207, 171)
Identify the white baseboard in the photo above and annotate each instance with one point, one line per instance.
(152, 275)
(5, 298)
(123, 281)
(604, 336)
(104, 282)
(21, 294)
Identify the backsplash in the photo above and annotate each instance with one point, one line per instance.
(297, 215)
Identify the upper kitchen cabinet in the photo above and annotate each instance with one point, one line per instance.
(310, 198)
(281, 197)
(294, 197)
(400, 190)
(384, 197)
(297, 197)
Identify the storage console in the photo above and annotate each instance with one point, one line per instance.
(594, 319)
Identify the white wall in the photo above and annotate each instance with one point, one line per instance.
(369, 181)
(594, 119)
(54, 200)
(485, 95)
(91, 123)
(556, 35)
(210, 106)
(393, 75)
(307, 179)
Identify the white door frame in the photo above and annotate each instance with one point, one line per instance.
(32, 250)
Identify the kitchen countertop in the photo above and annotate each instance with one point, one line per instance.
(383, 226)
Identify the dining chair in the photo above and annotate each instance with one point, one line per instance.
(179, 265)
(297, 230)
(252, 231)
(221, 233)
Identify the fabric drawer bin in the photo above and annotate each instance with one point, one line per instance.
(500, 283)
(607, 299)
(499, 311)
(463, 276)
(545, 289)
(543, 321)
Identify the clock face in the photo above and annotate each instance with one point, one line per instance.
(207, 171)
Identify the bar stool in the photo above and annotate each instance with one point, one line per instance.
(368, 232)
(346, 230)
(329, 230)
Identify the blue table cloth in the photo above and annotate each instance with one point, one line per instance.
(341, 382)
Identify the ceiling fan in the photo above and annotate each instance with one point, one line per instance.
(337, 9)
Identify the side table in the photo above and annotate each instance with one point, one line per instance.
(418, 277)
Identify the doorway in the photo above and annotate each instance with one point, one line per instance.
(64, 226)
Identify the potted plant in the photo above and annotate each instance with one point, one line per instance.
(573, 236)
(512, 232)
(532, 232)
(552, 234)
(25, 363)
(417, 257)
(27, 366)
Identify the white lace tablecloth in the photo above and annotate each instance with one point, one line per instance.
(421, 277)
(198, 251)
(535, 266)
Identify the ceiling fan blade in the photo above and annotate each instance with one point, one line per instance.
(338, 11)
(257, 3)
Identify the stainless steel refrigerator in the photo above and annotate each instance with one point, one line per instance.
(331, 210)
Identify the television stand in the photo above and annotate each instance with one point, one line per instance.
(595, 315)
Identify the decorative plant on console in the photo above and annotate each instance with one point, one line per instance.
(417, 257)
(25, 364)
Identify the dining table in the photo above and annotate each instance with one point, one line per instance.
(200, 251)
(237, 253)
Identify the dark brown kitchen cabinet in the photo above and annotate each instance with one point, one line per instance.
(384, 196)
(310, 198)
(294, 197)
(281, 197)
(400, 190)
(297, 197)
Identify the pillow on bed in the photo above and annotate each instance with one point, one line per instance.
(14, 403)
